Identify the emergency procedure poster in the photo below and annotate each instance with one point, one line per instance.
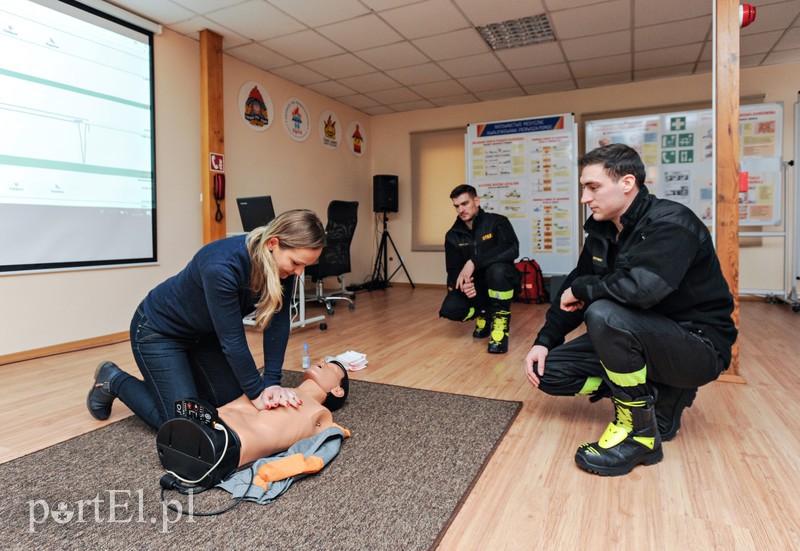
(526, 170)
(677, 149)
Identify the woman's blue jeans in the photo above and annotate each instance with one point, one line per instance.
(174, 369)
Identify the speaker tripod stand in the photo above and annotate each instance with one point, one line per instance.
(380, 277)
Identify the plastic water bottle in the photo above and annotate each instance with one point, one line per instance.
(306, 357)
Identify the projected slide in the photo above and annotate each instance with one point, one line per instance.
(76, 114)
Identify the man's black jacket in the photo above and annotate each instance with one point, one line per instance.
(663, 260)
(491, 240)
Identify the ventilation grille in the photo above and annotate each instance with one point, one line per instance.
(515, 33)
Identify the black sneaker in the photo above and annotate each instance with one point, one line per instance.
(100, 398)
(670, 404)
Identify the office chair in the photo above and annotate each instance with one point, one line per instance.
(335, 257)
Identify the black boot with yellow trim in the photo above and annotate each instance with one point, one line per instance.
(633, 438)
(500, 303)
(482, 327)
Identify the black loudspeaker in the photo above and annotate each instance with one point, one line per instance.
(384, 193)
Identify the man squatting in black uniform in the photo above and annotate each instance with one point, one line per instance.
(480, 250)
(657, 309)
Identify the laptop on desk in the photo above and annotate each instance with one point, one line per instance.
(255, 211)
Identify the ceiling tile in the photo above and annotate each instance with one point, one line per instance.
(453, 44)
(555, 5)
(331, 89)
(303, 46)
(418, 74)
(340, 66)
(618, 42)
(361, 33)
(667, 57)
(483, 83)
(550, 87)
(604, 80)
(784, 56)
(359, 101)
(504, 93)
(480, 64)
(757, 43)
(378, 110)
(201, 6)
(380, 5)
(401, 54)
(664, 72)
(259, 56)
(548, 73)
(789, 41)
(601, 66)
(411, 105)
(756, 60)
(255, 20)
(192, 27)
(160, 11)
(396, 95)
(482, 12)
(654, 12)
(670, 34)
(370, 82)
(439, 89)
(321, 12)
(531, 56)
(460, 99)
(426, 19)
(600, 18)
(298, 74)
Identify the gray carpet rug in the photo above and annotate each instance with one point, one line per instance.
(396, 484)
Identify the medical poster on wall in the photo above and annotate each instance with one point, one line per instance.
(526, 170)
(677, 149)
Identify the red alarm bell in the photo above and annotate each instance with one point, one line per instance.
(747, 14)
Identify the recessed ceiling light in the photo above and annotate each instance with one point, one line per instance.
(515, 33)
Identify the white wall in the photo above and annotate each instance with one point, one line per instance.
(760, 268)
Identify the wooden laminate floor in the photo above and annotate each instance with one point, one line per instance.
(728, 481)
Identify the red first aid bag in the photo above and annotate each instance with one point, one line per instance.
(531, 288)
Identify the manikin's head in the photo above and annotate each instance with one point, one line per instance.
(330, 376)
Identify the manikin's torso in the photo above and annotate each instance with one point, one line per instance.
(265, 432)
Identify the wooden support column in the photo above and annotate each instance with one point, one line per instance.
(212, 132)
(726, 134)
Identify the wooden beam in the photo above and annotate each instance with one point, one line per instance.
(726, 106)
(212, 131)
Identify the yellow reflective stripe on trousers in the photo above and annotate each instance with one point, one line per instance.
(627, 380)
(591, 384)
(501, 295)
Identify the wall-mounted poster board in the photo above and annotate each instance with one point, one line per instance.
(677, 150)
(526, 170)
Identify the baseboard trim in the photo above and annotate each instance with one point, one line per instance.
(420, 285)
(73, 346)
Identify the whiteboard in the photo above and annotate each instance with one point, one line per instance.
(526, 170)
